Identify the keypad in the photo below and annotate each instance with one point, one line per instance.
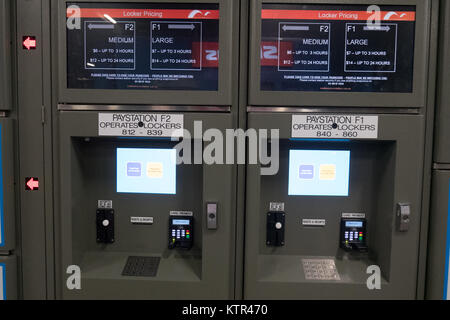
(181, 234)
(353, 236)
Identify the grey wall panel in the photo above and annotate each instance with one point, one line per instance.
(428, 159)
(32, 99)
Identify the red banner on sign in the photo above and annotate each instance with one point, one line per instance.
(144, 13)
(337, 15)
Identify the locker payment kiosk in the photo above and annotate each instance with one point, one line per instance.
(134, 217)
(349, 101)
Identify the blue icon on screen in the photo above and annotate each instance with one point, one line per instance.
(306, 172)
(134, 169)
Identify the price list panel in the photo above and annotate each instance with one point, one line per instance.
(337, 48)
(143, 46)
(110, 46)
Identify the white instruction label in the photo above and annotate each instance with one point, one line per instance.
(181, 214)
(314, 222)
(141, 125)
(335, 126)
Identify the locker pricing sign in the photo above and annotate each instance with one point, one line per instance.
(334, 126)
(141, 125)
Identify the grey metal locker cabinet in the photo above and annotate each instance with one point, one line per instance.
(33, 98)
(121, 238)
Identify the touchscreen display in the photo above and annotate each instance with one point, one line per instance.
(151, 171)
(319, 173)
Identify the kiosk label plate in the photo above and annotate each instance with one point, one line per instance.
(334, 126)
(181, 214)
(141, 125)
(353, 215)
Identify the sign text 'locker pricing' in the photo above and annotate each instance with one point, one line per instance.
(335, 126)
(141, 125)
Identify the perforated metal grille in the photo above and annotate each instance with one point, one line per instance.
(320, 269)
(141, 267)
